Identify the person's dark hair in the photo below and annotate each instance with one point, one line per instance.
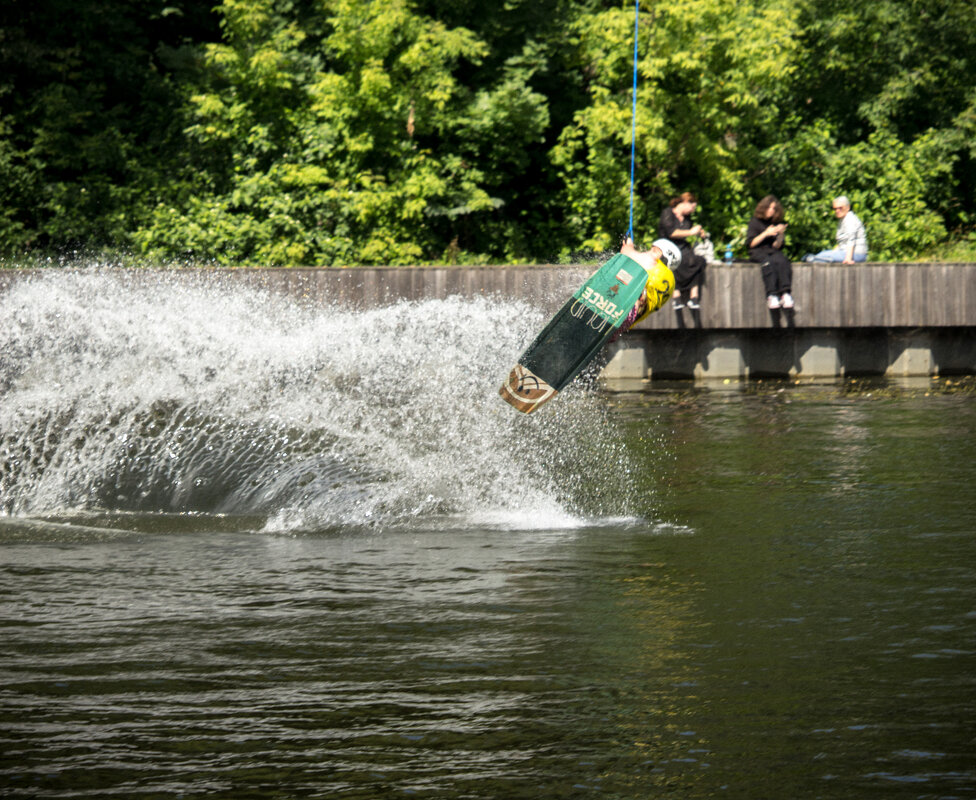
(684, 197)
(770, 200)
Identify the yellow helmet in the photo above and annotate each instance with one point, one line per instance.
(660, 285)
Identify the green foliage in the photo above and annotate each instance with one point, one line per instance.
(16, 188)
(418, 131)
(962, 250)
(325, 151)
(890, 183)
(91, 120)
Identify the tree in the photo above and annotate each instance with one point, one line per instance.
(87, 106)
(419, 131)
(343, 148)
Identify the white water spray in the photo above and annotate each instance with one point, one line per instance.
(170, 395)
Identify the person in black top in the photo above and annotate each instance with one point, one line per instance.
(675, 224)
(764, 238)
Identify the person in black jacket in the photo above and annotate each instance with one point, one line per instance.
(675, 224)
(765, 237)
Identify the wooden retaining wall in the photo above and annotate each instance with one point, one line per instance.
(894, 318)
(827, 295)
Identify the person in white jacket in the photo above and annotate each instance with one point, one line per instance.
(852, 238)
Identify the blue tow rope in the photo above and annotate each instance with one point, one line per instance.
(633, 130)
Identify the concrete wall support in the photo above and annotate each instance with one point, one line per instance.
(709, 355)
(628, 360)
(910, 353)
(819, 354)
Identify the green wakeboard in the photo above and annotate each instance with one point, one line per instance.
(574, 336)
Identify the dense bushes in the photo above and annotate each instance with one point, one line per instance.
(344, 132)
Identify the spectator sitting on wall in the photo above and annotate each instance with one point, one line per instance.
(689, 275)
(764, 238)
(852, 239)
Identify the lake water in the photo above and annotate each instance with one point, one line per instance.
(252, 550)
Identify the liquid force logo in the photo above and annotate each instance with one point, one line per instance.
(600, 304)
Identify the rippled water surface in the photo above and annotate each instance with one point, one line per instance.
(239, 559)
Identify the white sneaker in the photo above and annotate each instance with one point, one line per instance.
(693, 304)
(787, 300)
(773, 302)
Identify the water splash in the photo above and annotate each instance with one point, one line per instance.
(164, 394)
